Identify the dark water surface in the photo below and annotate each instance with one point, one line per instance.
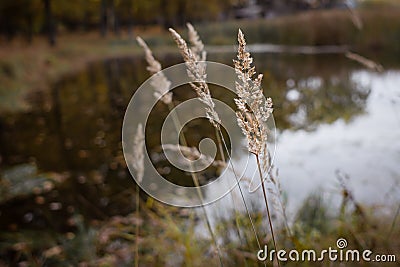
(75, 131)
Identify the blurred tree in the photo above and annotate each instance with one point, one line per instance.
(103, 18)
(125, 13)
(20, 16)
(109, 18)
(150, 12)
(76, 14)
(50, 29)
(26, 17)
(196, 11)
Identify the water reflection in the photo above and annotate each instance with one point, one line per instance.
(76, 128)
(365, 149)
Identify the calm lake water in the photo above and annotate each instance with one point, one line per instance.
(333, 118)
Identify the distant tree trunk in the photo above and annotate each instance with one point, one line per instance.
(164, 18)
(51, 35)
(130, 25)
(117, 26)
(103, 18)
(128, 20)
(114, 23)
(180, 16)
(86, 21)
(29, 34)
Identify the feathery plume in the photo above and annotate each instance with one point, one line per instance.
(159, 82)
(138, 153)
(197, 44)
(253, 111)
(197, 73)
(252, 114)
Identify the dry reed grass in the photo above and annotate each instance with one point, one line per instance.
(160, 83)
(197, 70)
(252, 114)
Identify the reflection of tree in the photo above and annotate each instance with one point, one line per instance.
(323, 92)
(113, 77)
(58, 127)
(323, 83)
(333, 99)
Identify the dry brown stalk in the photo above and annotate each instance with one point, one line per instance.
(365, 61)
(253, 112)
(138, 165)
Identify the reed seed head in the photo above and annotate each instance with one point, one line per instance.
(159, 82)
(196, 71)
(197, 44)
(253, 109)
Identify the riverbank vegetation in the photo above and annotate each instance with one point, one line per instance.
(170, 237)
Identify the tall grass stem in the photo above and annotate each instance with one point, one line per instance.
(195, 179)
(266, 204)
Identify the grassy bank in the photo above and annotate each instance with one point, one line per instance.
(378, 28)
(25, 68)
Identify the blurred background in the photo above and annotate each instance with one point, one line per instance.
(69, 68)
